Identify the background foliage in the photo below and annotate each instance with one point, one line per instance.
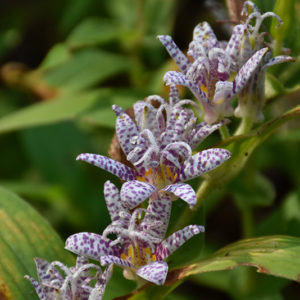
(62, 65)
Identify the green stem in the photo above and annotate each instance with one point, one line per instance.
(245, 126)
(247, 221)
(224, 132)
(188, 214)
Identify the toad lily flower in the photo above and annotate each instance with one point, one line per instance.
(207, 76)
(139, 247)
(245, 41)
(74, 285)
(161, 152)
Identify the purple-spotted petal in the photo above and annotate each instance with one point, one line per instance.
(44, 292)
(204, 34)
(155, 272)
(113, 201)
(174, 241)
(126, 130)
(173, 77)
(247, 71)
(110, 165)
(91, 245)
(184, 191)
(135, 192)
(203, 162)
(239, 47)
(181, 60)
(203, 130)
(42, 267)
(158, 211)
(111, 259)
(99, 289)
(278, 60)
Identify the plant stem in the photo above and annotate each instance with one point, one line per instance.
(245, 126)
(224, 132)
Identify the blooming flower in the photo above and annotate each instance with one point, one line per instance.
(207, 76)
(245, 41)
(74, 285)
(159, 145)
(139, 247)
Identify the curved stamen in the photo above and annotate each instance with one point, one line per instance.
(147, 134)
(182, 144)
(245, 8)
(189, 102)
(146, 158)
(263, 17)
(215, 53)
(171, 158)
(54, 264)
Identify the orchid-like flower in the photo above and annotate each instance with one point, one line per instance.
(75, 284)
(139, 247)
(246, 40)
(160, 147)
(207, 76)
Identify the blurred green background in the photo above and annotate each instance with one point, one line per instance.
(64, 63)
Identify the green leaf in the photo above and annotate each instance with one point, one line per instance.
(104, 116)
(93, 31)
(24, 235)
(251, 190)
(56, 55)
(65, 107)
(274, 255)
(284, 219)
(84, 69)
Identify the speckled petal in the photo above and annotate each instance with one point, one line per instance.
(135, 192)
(126, 129)
(181, 60)
(247, 71)
(203, 162)
(44, 292)
(155, 272)
(99, 289)
(203, 130)
(174, 241)
(158, 210)
(239, 47)
(113, 201)
(91, 245)
(110, 165)
(278, 60)
(184, 191)
(173, 77)
(205, 35)
(116, 260)
(42, 267)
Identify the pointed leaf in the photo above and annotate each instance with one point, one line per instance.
(59, 109)
(24, 235)
(275, 255)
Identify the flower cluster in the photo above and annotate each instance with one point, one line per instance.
(160, 145)
(208, 75)
(74, 284)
